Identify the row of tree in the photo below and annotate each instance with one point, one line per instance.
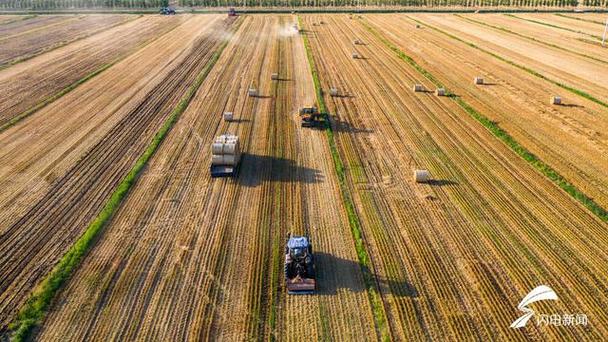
(379, 3)
(146, 4)
(75, 4)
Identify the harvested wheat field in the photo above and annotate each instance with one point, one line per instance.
(24, 39)
(115, 226)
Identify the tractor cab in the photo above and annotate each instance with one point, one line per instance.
(299, 266)
(167, 11)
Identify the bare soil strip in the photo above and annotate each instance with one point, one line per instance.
(38, 234)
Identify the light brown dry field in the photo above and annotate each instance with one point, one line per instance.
(584, 74)
(191, 257)
(458, 251)
(60, 165)
(24, 39)
(567, 137)
(218, 243)
(31, 83)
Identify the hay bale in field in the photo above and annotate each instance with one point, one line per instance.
(417, 26)
(355, 55)
(478, 80)
(274, 76)
(556, 100)
(440, 92)
(322, 22)
(252, 92)
(228, 116)
(333, 91)
(418, 87)
(422, 176)
(357, 42)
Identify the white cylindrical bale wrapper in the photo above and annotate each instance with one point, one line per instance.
(422, 176)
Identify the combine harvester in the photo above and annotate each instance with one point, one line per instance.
(299, 266)
(310, 117)
(225, 156)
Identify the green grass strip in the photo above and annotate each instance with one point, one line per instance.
(553, 25)
(353, 219)
(555, 46)
(501, 134)
(580, 19)
(36, 307)
(519, 66)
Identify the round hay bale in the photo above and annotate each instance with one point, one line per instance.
(422, 176)
(556, 100)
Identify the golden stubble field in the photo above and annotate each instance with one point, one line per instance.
(186, 256)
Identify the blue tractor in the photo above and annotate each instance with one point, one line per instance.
(299, 266)
(167, 11)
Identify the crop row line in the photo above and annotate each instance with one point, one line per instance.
(36, 307)
(23, 59)
(580, 19)
(353, 219)
(500, 133)
(554, 26)
(504, 29)
(519, 66)
(74, 85)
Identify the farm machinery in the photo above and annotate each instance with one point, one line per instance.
(299, 266)
(231, 12)
(310, 117)
(225, 156)
(167, 11)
